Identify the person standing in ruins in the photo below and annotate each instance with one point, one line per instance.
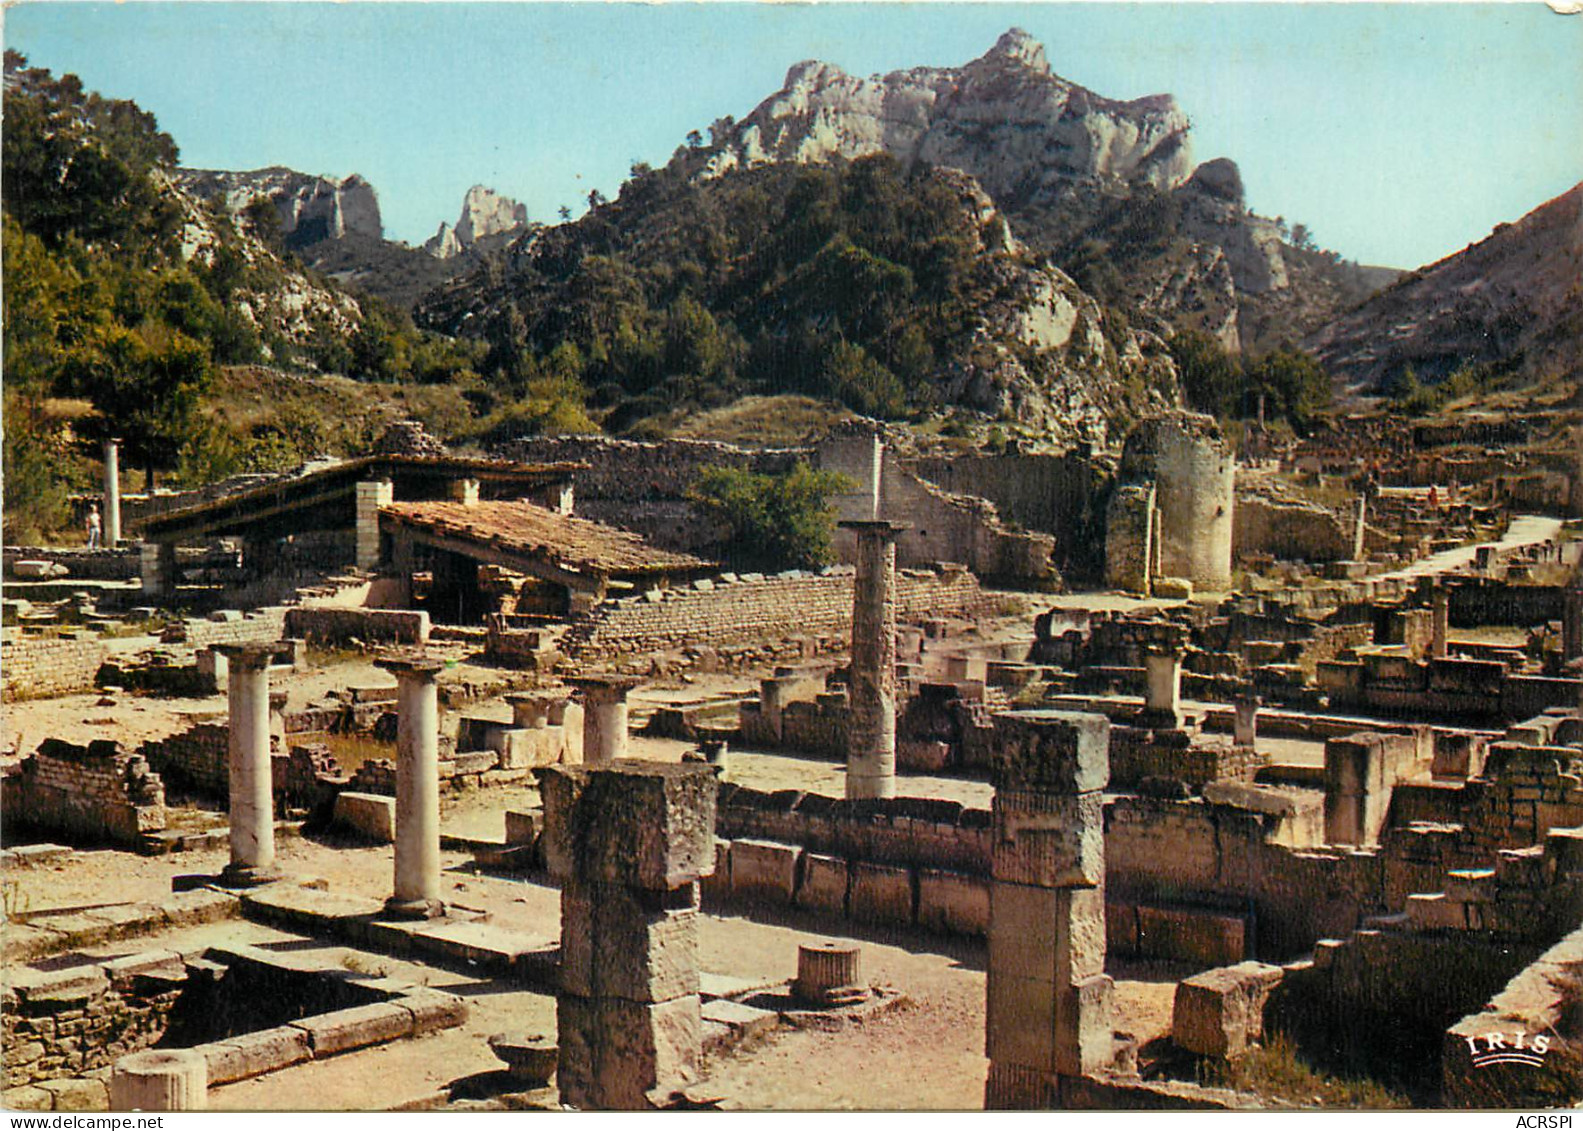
(94, 525)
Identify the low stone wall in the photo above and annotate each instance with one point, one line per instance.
(197, 759)
(762, 611)
(1136, 754)
(1479, 601)
(94, 565)
(371, 626)
(261, 626)
(1288, 530)
(36, 669)
(72, 1021)
(94, 792)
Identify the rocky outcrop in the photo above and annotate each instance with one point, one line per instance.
(1514, 300)
(1006, 118)
(311, 209)
(488, 220)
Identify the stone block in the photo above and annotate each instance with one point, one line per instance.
(1220, 1012)
(953, 902)
(743, 1020)
(432, 1009)
(1049, 840)
(1016, 1087)
(617, 943)
(253, 1054)
(824, 884)
(1050, 752)
(1121, 928)
(1051, 935)
(192, 908)
(626, 1056)
(764, 870)
(640, 824)
(1190, 934)
(77, 1094)
(371, 814)
(492, 947)
(521, 828)
(881, 893)
(355, 1028)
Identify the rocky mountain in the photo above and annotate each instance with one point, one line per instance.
(488, 222)
(1022, 131)
(1513, 302)
(1107, 188)
(310, 208)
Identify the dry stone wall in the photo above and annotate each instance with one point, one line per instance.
(36, 669)
(94, 792)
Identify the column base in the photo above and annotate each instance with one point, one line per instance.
(414, 908)
(870, 789)
(249, 875)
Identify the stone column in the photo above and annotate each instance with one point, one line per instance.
(1441, 625)
(112, 492)
(1360, 529)
(417, 887)
(371, 495)
(774, 693)
(1162, 698)
(251, 772)
(628, 843)
(871, 687)
(1048, 999)
(604, 716)
(464, 491)
(157, 568)
(1244, 721)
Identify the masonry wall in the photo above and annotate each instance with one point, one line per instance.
(1289, 531)
(97, 792)
(1480, 602)
(957, 528)
(1130, 538)
(40, 668)
(755, 610)
(197, 759)
(1059, 495)
(337, 626)
(261, 626)
(96, 565)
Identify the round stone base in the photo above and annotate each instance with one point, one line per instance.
(249, 875)
(414, 908)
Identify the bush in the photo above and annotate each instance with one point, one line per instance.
(773, 521)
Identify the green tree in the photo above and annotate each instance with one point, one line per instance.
(1211, 377)
(775, 521)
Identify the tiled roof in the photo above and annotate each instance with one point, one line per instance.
(520, 527)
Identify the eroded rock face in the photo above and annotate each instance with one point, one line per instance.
(486, 217)
(1005, 118)
(311, 209)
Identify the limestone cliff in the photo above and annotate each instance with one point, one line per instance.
(488, 221)
(1006, 118)
(310, 208)
(1513, 302)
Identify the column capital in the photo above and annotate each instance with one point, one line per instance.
(874, 527)
(612, 685)
(247, 655)
(416, 667)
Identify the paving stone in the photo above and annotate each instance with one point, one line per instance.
(743, 1020)
(252, 1054)
(491, 946)
(77, 1094)
(432, 1009)
(354, 1028)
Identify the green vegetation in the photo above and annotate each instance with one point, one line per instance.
(773, 521)
(1293, 385)
(1276, 1070)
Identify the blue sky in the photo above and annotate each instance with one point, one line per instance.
(1398, 132)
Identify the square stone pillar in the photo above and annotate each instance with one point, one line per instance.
(112, 493)
(464, 491)
(871, 686)
(417, 866)
(250, 770)
(371, 495)
(1440, 630)
(1360, 529)
(157, 568)
(774, 693)
(628, 844)
(1244, 719)
(604, 716)
(1162, 695)
(1048, 1000)
(1356, 794)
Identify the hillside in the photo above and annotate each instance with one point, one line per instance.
(1511, 303)
(891, 291)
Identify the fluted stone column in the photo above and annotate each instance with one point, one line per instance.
(417, 886)
(604, 716)
(1049, 1001)
(251, 775)
(628, 843)
(871, 688)
(112, 493)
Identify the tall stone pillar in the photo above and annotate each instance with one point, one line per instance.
(417, 887)
(1360, 529)
(1244, 720)
(112, 492)
(774, 693)
(251, 774)
(871, 688)
(604, 716)
(157, 569)
(1162, 696)
(1048, 999)
(628, 843)
(371, 495)
(1441, 624)
(1356, 795)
